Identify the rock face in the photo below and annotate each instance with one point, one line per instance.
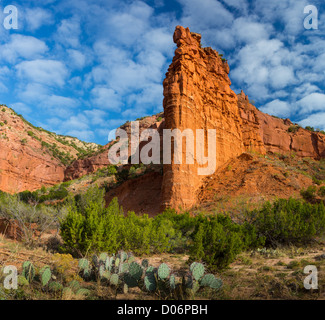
(262, 132)
(32, 157)
(197, 95)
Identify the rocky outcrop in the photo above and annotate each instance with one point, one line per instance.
(272, 134)
(197, 95)
(31, 157)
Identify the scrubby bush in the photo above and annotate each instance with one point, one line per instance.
(309, 194)
(42, 217)
(89, 226)
(217, 240)
(289, 221)
(321, 191)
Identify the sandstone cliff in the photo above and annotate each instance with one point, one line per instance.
(197, 95)
(31, 157)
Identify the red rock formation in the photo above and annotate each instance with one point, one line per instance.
(272, 134)
(198, 96)
(26, 162)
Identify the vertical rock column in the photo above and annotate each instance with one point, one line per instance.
(197, 95)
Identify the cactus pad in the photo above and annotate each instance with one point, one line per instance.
(207, 280)
(135, 270)
(114, 280)
(46, 275)
(198, 271)
(130, 281)
(150, 282)
(124, 267)
(172, 282)
(163, 271)
(216, 284)
(83, 264)
(145, 263)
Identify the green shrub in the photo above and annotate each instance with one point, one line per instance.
(122, 176)
(293, 129)
(309, 194)
(218, 240)
(90, 227)
(321, 191)
(289, 221)
(310, 128)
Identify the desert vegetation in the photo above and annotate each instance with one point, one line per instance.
(100, 244)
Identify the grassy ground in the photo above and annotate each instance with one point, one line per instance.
(256, 275)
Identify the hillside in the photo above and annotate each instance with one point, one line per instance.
(32, 157)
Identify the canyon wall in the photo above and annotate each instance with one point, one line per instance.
(197, 95)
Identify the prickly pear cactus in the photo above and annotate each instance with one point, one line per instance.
(130, 281)
(163, 271)
(192, 266)
(114, 280)
(131, 259)
(123, 256)
(145, 263)
(124, 267)
(216, 284)
(74, 285)
(198, 271)
(82, 293)
(150, 282)
(135, 270)
(83, 264)
(55, 286)
(207, 280)
(102, 257)
(46, 275)
(172, 282)
(28, 271)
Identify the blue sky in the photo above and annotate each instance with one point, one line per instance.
(82, 67)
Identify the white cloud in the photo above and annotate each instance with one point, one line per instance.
(281, 76)
(312, 103)
(37, 17)
(20, 46)
(277, 108)
(76, 59)
(104, 98)
(205, 14)
(21, 108)
(316, 120)
(48, 72)
(68, 32)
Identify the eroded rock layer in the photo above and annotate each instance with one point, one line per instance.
(197, 95)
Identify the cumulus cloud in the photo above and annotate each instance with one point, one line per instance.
(312, 103)
(108, 59)
(316, 120)
(23, 47)
(48, 72)
(104, 98)
(277, 108)
(35, 18)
